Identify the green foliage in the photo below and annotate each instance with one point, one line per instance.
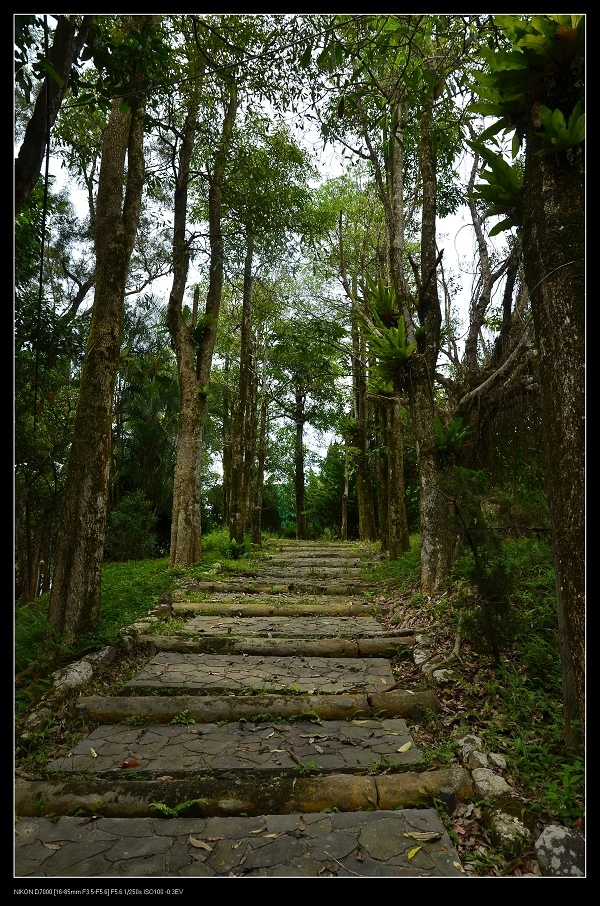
(449, 441)
(306, 767)
(183, 718)
(503, 195)
(540, 50)
(175, 811)
(130, 529)
(392, 352)
(559, 134)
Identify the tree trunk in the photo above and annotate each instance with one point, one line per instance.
(66, 47)
(366, 509)
(436, 539)
(238, 513)
(185, 524)
(261, 457)
(194, 364)
(381, 471)
(554, 262)
(301, 531)
(76, 587)
(344, 526)
(227, 419)
(399, 541)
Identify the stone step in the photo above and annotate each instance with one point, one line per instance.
(274, 585)
(215, 708)
(289, 626)
(248, 605)
(185, 672)
(206, 795)
(394, 646)
(284, 751)
(312, 560)
(266, 749)
(407, 843)
(309, 571)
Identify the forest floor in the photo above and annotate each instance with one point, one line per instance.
(466, 706)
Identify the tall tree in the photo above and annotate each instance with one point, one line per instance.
(534, 85)
(76, 588)
(268, 201)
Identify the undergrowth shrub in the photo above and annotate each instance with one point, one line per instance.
(130, 529)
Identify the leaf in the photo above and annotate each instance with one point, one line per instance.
(302, 823)
(93, 753)
(424, 836)
(413, 852)
(199, 844)
(405, 747)
(128, 764)
(259, 830)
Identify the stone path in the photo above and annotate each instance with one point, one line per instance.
(224, 759)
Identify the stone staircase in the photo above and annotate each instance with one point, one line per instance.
(265, 739)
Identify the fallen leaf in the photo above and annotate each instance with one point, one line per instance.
(319, 749)
(459, 866)
(424, 836)
(200, 844)
(259, 830)
(165, 777)
(302, 823)
(405, 747)
(128, 764)
(413, 852)
(53, 845)
(458, 829)
(93, 753)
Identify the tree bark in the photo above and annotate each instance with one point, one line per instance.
(261, 458)
(436, 540)
(366, 509)
(241, 435)
(194, 364)
(76, 588)
(399, 541)
(301, 529)
(554, 262)
(381, 471)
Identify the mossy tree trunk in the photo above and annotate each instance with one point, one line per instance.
(77, 583)
(554, 262)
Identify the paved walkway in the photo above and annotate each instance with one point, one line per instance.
(385, 844)
(163, 794)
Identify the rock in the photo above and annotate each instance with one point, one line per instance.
(560, 852)
(474, 759)
(506, 831)
(489, 785)
(497, 761)
(471, 741)
(420, 655)
(445, 676)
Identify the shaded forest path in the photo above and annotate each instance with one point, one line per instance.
(267, 738)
